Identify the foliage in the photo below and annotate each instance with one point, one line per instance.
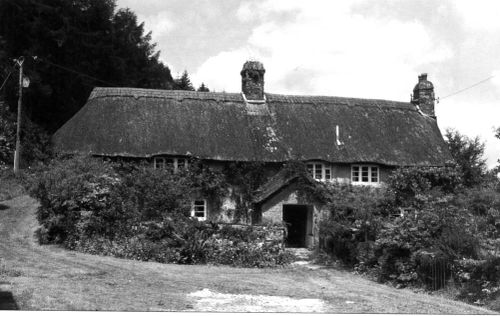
(183, 82)
(7, 136)
(480, 279)
(469, 156)
(437, 229)
(203, 88)
(496, 170)
(411, 232)
(35, 142)
(245, 178)
(407, 183)
(11, 186)
(136, 212)
(90, 38)
(72, 194)
(353, 222)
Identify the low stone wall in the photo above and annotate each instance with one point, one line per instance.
(272, 232)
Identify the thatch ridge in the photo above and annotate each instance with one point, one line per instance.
(104, 92)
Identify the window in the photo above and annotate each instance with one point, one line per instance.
(362, 174)
(174, 164)
(319, 171)
(199, 210)
(181, 164)
(159, 163)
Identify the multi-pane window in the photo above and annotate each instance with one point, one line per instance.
(319, 171)
(365, 174)
(159, 163)
(199, 210)
(174, 164)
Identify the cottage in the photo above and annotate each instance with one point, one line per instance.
(347, 140)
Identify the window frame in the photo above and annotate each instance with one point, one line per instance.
(313, 171)
(174, 161)
(205, 210)
(358, 169)
(156, 161)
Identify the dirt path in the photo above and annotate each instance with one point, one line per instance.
(37, 277)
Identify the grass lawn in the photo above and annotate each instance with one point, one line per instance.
(9, 185)
(34, 277)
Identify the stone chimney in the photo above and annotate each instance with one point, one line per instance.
(423, 95)
(252, 80)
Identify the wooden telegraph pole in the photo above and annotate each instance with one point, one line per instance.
(17, 153)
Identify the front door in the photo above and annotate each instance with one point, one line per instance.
(295, 217)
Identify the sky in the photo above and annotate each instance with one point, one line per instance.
(356, 48)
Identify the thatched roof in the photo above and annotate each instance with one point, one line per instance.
(273, 185)
(130, 122)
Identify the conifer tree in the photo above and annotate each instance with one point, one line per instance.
(89, 37)
(183, 82)
(203, 88)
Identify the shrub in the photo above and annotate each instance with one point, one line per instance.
(437, 230)
(35, 141)
(70, 191)
(409, 182)
(480, 279)
(131, 211)
(355, 216)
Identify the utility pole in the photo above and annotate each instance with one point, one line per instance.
(17, 153)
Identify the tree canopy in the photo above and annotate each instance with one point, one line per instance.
(469, 156)
(203, 88)
(80, 44)
(183, 82)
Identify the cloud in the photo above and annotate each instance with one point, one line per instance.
(160, 24)
(496, 77)
(326, 48)
(472, 119)
(479, 14)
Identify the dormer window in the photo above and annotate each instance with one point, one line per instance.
(174, 164)
(319, 171)
(365, 174)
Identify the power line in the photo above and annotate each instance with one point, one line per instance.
(467, 88)
(77, 72)
(5, 81)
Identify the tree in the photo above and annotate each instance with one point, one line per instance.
(468, 154)
(183, 82)
(80, 44)
(496, 170)
(203, 88)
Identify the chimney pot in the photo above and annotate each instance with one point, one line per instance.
(422, 77)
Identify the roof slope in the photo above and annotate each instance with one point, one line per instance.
(221, 126)
(274, 184)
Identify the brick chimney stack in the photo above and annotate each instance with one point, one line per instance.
(423, 95)
(252, 80)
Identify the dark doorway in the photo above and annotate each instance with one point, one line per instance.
(7, 301)
(295, 216)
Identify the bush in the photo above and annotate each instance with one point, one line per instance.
(355, 216)
(438, 230)
(407, 183)
(35, 141)
(131, 211)
(71, 192)
(480, 279)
